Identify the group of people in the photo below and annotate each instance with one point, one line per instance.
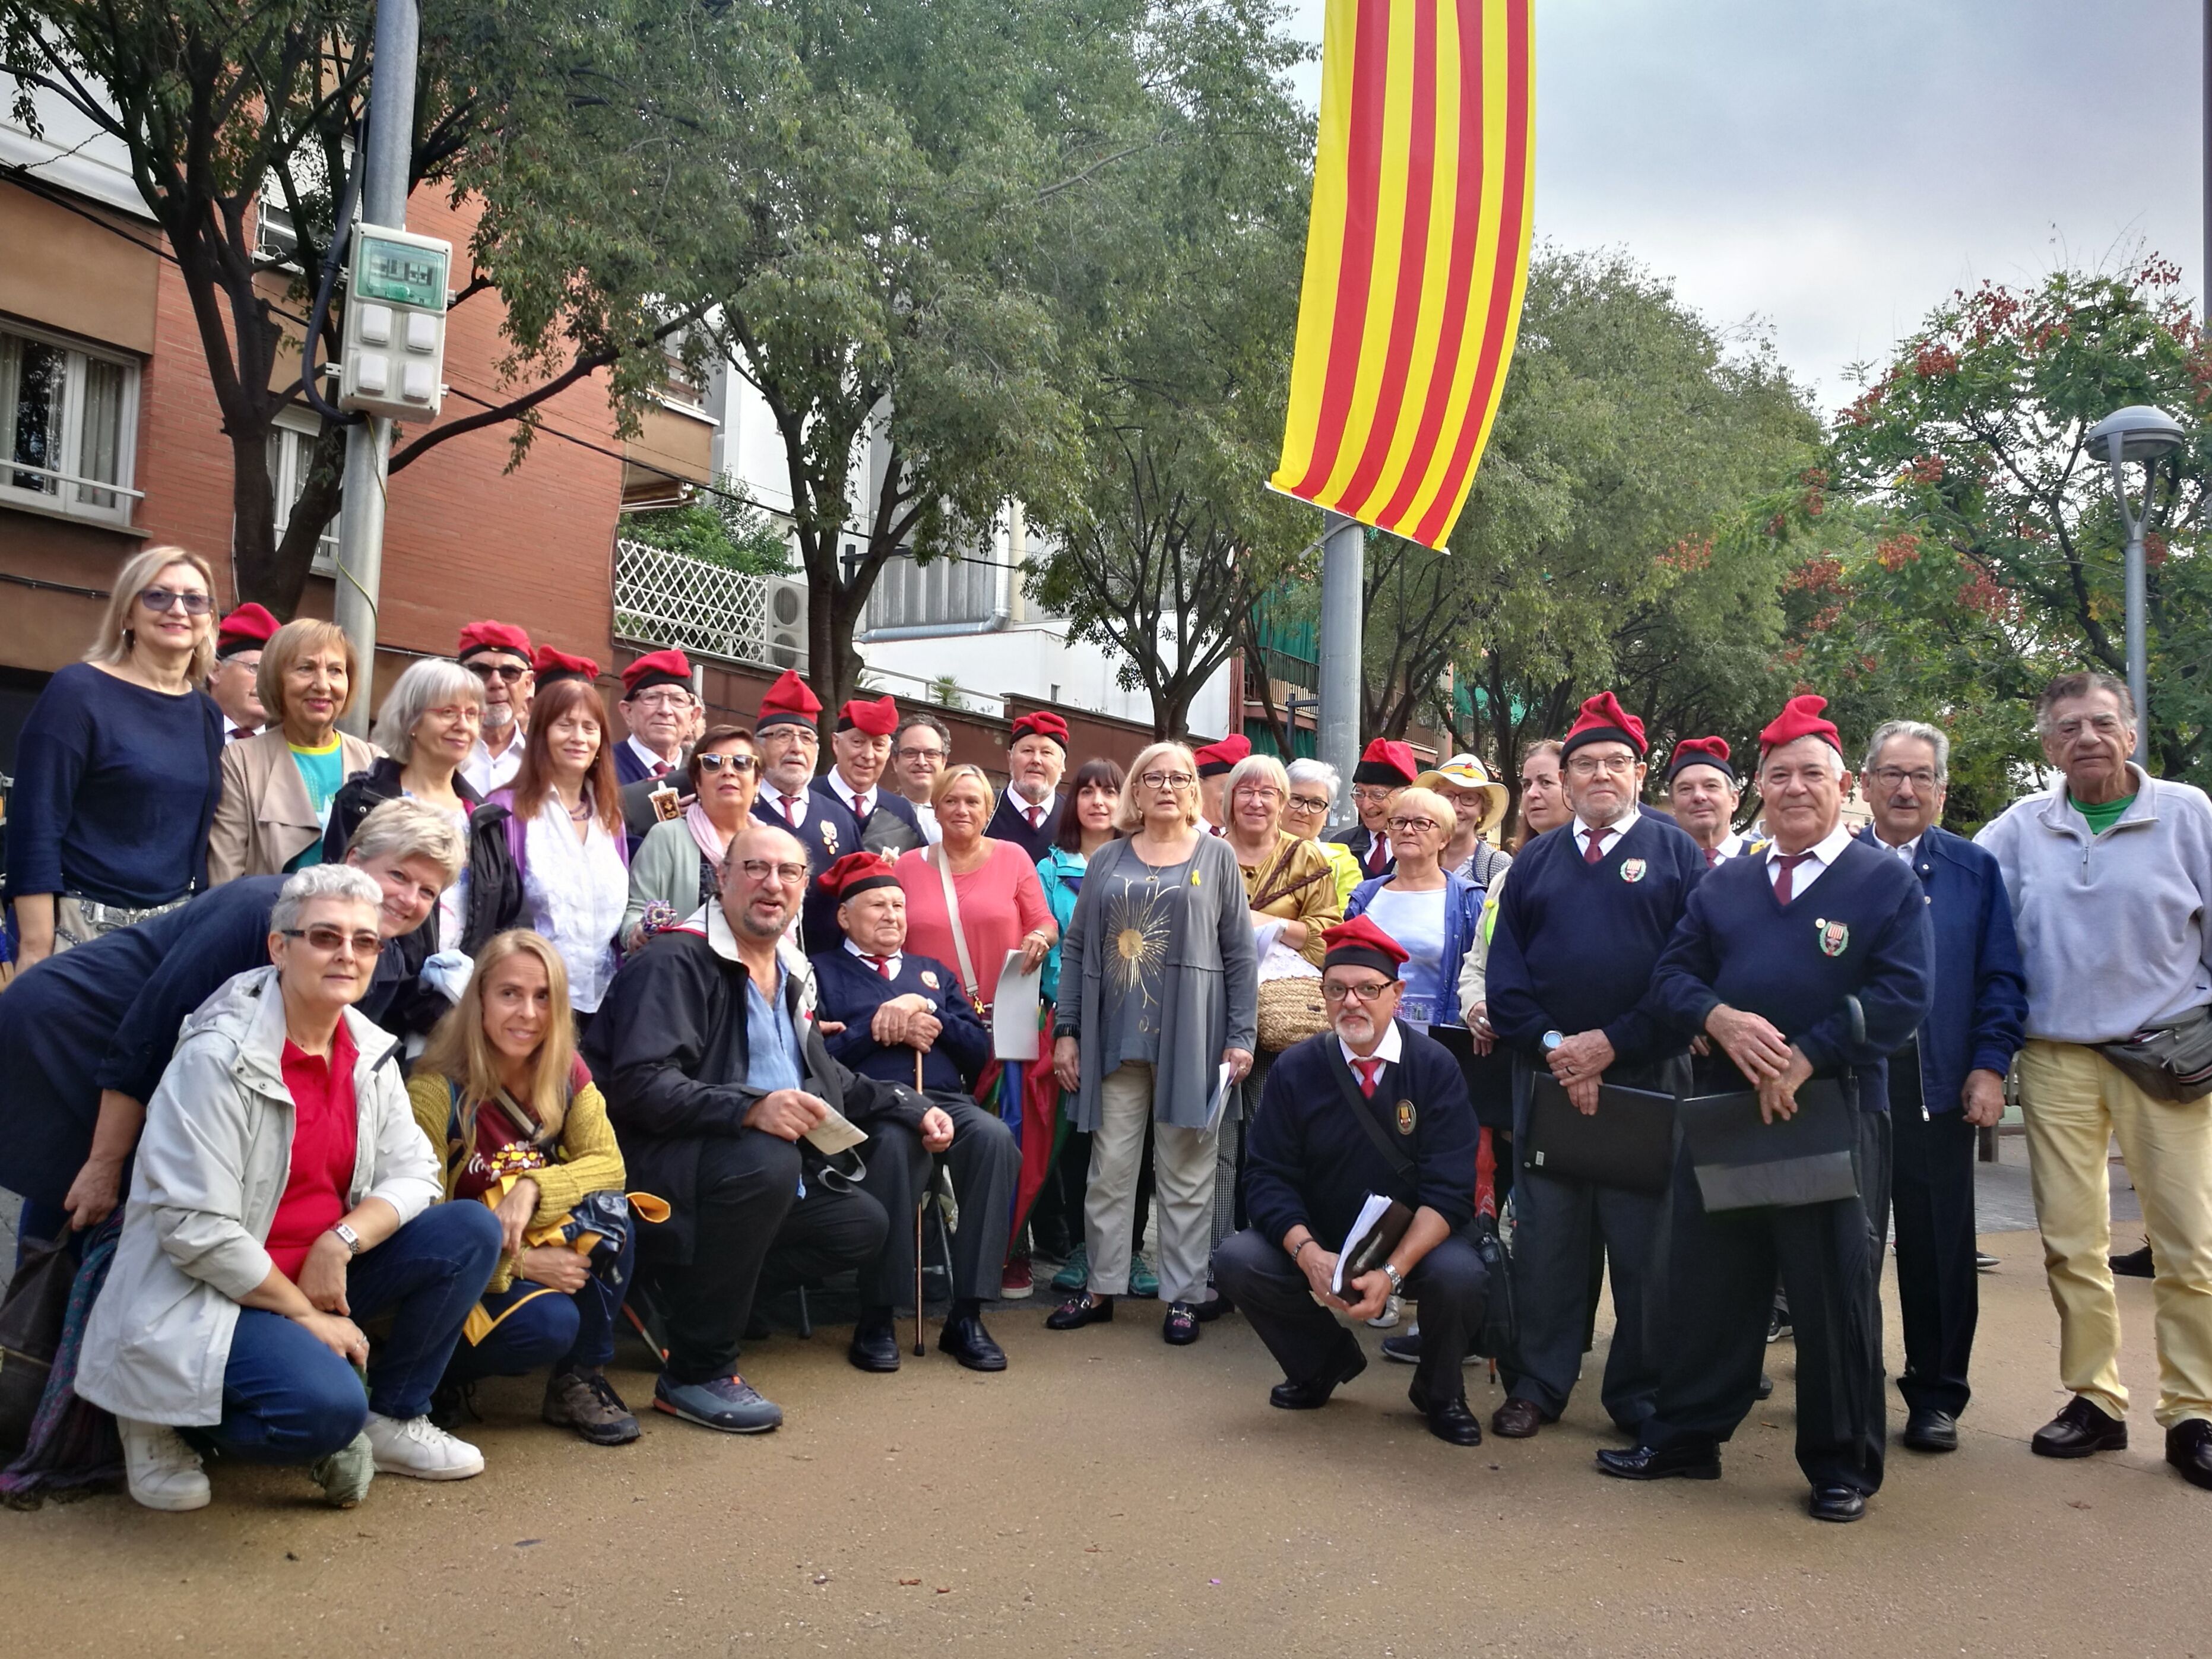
(502, 1032)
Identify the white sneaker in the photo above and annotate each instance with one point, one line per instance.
(420, 1448)
(164, 1472)
(1389, 1316)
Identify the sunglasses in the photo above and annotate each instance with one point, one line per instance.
(162, 599)
(331, 940)
(737, 763)
(510, 673)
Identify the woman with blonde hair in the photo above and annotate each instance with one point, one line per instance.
(564, 836)
(970, 901)
(116, 769)
(278, 787)
(1157, 1002)
(1430, 911)
(519, 1126)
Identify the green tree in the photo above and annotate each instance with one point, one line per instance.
(721, 526)
(2000, 559)
(595, 139)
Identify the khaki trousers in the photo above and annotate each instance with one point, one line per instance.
(1182, 1189)
(2075, 1101)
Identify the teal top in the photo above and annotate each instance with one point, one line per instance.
(322, 770)
(1060, 875)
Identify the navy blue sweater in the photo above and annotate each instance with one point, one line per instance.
(1860, 930)
(115, 789)
(849, 990)
(1306, 1160)
(1575, 943)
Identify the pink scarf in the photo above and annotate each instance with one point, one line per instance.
(711, 842)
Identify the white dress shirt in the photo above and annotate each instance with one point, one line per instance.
(652, 761)
(775, 798)
(926, 815)
(858, 805)
(1823, 853)
(1613, 832)
(890, 962)
(486, 771)
(1387, 1051)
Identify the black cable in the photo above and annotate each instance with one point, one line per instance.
(333, 257)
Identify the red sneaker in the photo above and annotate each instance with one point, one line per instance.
(1014, 1280)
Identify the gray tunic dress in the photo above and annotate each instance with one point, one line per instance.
(1164, 961)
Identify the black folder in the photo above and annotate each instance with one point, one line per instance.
(1743, 1163)
(1629, 1143)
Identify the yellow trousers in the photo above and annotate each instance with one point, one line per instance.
(2074, 1102)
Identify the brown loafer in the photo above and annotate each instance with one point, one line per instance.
(1516, 1420)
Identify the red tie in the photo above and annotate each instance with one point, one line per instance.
(861, 808)
(1035, 815)
(791, 805)
(883, 964)
(1369, 1069)
(660, 768)
(1593, 845)
(1789, 861)
(1712, 857)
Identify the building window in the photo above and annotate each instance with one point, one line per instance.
(947, 591)
(69, 420)
(291, 452)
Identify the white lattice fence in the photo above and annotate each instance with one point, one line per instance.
(671, 598)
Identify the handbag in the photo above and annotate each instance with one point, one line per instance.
(2168, 1063)
(1743, 1163)
(31, 1334)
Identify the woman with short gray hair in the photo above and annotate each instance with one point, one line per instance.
(1313, 786)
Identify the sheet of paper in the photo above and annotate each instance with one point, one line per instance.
(1265, 932)
(1014, 1010)
(834, 1134)
(1220, 1103)
(1372, 1212)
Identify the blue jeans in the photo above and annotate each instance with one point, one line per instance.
(539, 1325)
(287, 1398)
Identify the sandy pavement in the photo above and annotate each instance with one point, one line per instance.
(1110, 1495)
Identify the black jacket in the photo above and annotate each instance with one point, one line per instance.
(668, 1050)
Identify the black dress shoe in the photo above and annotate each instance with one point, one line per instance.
(875, 1348)
(1690, 1463)
(1449, 1420)
(1213, 1307)
(1179, 1329)
(2135, 1264)
(1766, 1386)
(1077, 1311)
(2189, 1448)
(1927, 1429)
(1837, 1504)
(1517, 1419)
(966, 1342)
(1290, 1396)
(2079, 1430)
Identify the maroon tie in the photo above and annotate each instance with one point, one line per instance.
(791, 805)
(1789, 861)
(882, 965)
(860, 810)
(1593, 845)
(1035, 815)
(238, 732)
(660, 768)
(1369, 1069)
(1712, 857)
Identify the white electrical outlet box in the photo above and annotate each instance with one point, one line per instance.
(394, 331)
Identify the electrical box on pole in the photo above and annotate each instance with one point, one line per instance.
(392, 359)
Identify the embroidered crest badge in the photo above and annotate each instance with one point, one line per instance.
(929, 977)
(1405, 1117)
(1835, 937)
(1632, 869)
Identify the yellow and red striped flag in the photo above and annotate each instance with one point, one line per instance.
(1416, 258)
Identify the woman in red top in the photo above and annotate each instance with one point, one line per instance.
(1002, 908)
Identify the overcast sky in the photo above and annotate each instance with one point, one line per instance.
(1837, 167)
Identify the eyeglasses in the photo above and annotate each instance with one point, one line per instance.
(1411, 826)
(1167, 779)
(163, 599)
(1265, 792)
(1332, 992)
(666, 697)
(1588, 766)
(488, 671)
(332, 941)
(451, 712)
(737, 763)
(1890, 777)
(913, 754)
(1307, 803)
(1370, 794)
(762, 871)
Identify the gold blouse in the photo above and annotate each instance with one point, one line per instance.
(1295, 883)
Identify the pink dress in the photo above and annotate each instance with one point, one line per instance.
(1000, 903)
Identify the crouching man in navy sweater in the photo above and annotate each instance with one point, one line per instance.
(1369, 1107)
(896, 1008)
(1774, 948)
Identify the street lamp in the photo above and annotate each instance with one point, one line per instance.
(2137, 433)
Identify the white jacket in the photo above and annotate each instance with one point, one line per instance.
(2112, 926)
(212, 1164)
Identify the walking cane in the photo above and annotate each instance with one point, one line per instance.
(919, 1347)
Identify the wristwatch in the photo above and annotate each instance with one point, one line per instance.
(347, 1236)
(1397, 1285)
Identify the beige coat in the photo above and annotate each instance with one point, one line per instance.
(264, 821)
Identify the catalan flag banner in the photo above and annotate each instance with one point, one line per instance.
(1416, 258)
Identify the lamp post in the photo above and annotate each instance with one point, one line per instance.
(2137, 433)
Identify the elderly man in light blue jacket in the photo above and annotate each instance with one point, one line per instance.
(283, 1190)
(2111, 879)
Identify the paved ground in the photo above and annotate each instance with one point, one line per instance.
(1112, 1496)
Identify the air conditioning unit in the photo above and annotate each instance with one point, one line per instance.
(787, 622)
